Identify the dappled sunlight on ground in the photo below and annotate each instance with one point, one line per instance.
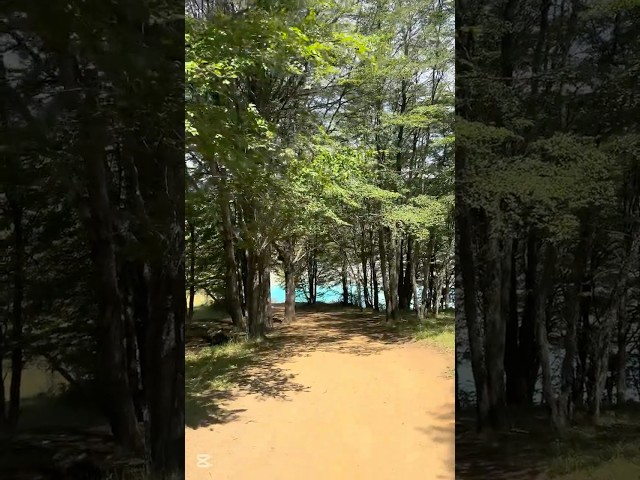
(336, 395)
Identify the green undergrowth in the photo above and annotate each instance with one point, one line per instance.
(438, 332)
(609, 451)
(212, 368)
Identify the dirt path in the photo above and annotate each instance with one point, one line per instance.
(334, 397)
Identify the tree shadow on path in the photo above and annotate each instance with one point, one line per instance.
(443, 431)
(257, 368)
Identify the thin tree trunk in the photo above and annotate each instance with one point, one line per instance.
(365, 280)
(383, 270)
(3, 402)
(409, 275)
(312, 272)
(112, 376)
(232, 293)
(192, 269)
(417, 306)
(288, 266)
(426, 274)
(394, 261)
(255, 320)
(495, 330)
(511, 354)
(345, 284)
(528, 350)
(16, 314)
(265, 288)
(542, 287)
(374, 274)
(468, 288)
(621, 367)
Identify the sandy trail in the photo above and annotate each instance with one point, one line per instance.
(336, 397)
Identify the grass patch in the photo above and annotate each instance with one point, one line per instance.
(609, 451)
(439, 332)
(211, 374)
(617, 469)
(212, 368)
(209, 313)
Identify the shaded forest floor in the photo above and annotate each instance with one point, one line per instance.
(62, 437)
(609, 451)
(336, 395)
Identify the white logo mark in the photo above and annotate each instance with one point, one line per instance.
(203, 461)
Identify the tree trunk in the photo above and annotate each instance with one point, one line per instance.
(417, 305)
(162, 341)
(232, 293)
(495, 330)
(134, 360)
(288, 266)
(164, 378)
(512, 358)
(112, 375)
(243, 281)
(388, 300)
(345, 284)
(385, 278)
(359, 299)
(394, 262)
(621, 367)
(468, 288)
(528, 350)
(3, 401)
(255, 320)
(265, 288)
(16, 314)
(365, 280)
(374, 274)
(542, 286)
(426, 274)
(408, 283)
(192, 269)
(312, 273)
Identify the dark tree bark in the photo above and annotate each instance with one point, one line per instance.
(312, 274)
(256, 319)
(408, 282)
(417, 306)
(385, 277)
(374, 274)
(232, 294)
(426, 276)
(112, 375)
(394, 260)
(365, 279)
(495, 330)
(17, 211)
(265, 288)
(192, 270)
(511, 354)
(345, 284)
(621, 366)
(468, 288)
(244, 280)
(287, 255)
(528, 350)
(542, 286)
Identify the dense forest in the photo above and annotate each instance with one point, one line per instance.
(92, 203)
(319, 149)
(547, 205)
